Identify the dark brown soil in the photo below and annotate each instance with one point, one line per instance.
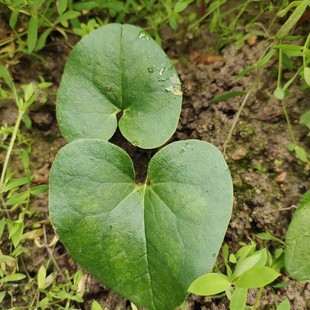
(268, 179)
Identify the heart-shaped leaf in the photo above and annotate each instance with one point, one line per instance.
(297, 241)
(148, 241)
(119, 68)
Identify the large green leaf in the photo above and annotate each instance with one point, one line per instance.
(297, 252)
(119, 68)
(146, 241)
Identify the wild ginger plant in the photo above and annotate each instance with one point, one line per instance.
(146, 241)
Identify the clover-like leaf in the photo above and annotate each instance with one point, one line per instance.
(119, 69)
(297, 241)
(146, 241)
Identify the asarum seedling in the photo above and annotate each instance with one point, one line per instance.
(147, 241)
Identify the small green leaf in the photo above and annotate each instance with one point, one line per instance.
(259, 258)
(44, 302)
(2, 295)
(228, 271)
(245, 71)
(257, 276)
(246, 250)
(269, 237)
(282, 284)
(290, 50)
(278, 262)
(24, 156)
(238, 299)
(210, 284)
(38, 189)
(18, 198)
(32, 35)
(305, 119)
(279, 93)
(37, 4)
(87, 5)
(44, 85)
(133, 306)
(62, 294)
(4, 73)
(293, 4)
(232, 258)
(16, 229)
(13, 277)
(292, 20)
(17, 251)
(50, 279)
(67, 16)
(223, 97)
(28, 91)
(225, 253)
(42, 39)
(27, 121)
(2, 226)
(301, 153)
(284, 305)
(180, 6)
(13, 18)
(307, 75)
(33, 234)
(173, 23)
(266, 58)
(7, 259)
(297, 252)
(114, 6)
(41, 276)
(61, 6)
(77, 298)
(17, 3)
(77, 277)
(291, 147)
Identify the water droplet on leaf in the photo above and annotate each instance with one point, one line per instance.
(174, 91)
(143, 35)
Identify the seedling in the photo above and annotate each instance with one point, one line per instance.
(146, 241)
(248, 268)
(16, 192)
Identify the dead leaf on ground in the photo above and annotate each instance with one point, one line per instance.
(252, 40)
(239, 153)
(204, 59)
(281, 177)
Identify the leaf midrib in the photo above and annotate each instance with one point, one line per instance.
(143, 191)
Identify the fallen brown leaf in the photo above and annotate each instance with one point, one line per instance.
(204, 59)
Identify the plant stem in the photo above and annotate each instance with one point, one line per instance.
(235, 121)
(13, 138)
(288, 121)
(304, 50)
(280, 68)
(258, 297)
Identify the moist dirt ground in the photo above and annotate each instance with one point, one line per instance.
(268, 179)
